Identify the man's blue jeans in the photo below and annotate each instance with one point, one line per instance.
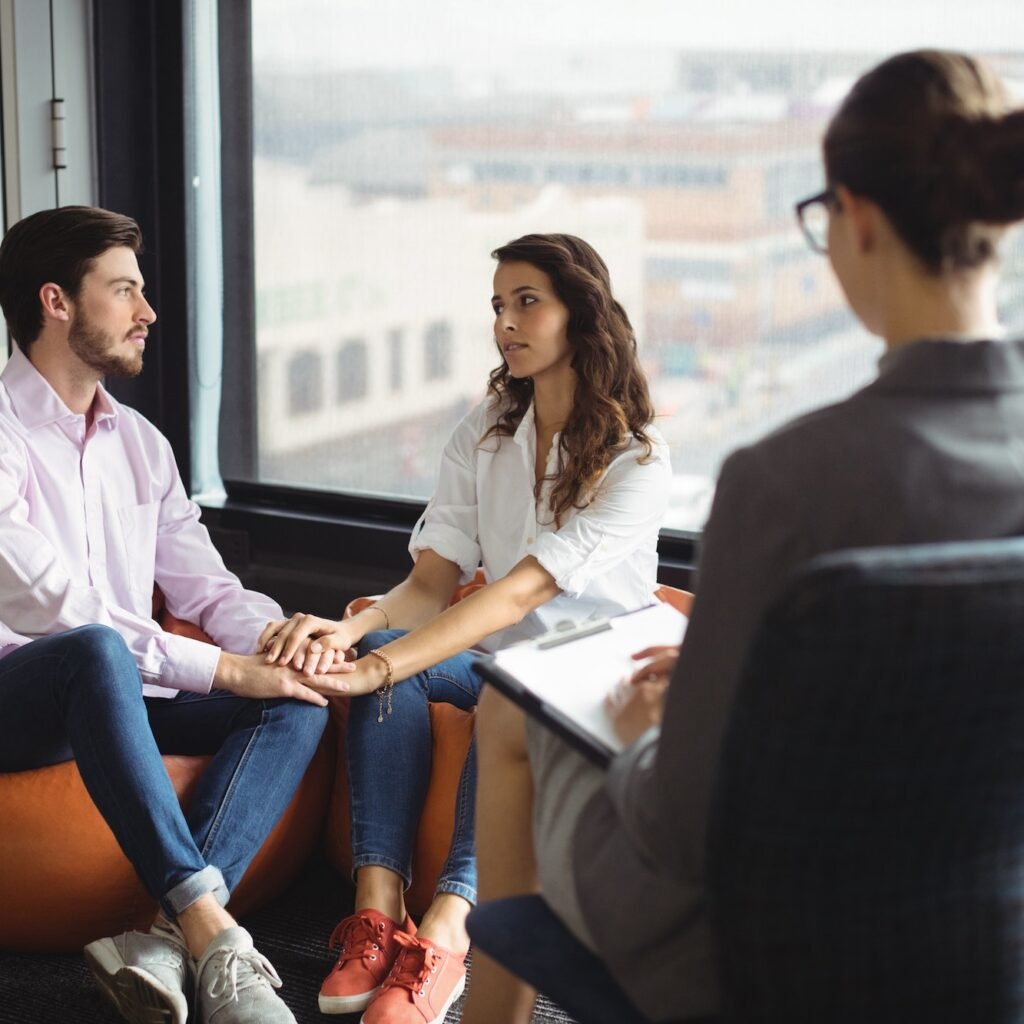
(389, 769)
(78, 695)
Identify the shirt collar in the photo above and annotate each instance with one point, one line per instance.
(985, 366)
(36, 404)
(526, 432)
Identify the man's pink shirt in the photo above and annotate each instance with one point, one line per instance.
(91, 520)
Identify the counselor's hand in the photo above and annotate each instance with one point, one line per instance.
(308, 643)
(248, 675)
(637, 705)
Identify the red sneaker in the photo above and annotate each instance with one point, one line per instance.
(422, 985)
(368, 949)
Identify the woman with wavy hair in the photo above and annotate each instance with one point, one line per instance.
(556, 484)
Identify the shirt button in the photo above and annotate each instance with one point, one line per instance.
(529, 540)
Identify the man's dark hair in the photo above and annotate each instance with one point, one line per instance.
(55, 245)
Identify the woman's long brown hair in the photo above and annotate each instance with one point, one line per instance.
(612, 404)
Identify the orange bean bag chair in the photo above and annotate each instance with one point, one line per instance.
(64, 880)
(452, 731)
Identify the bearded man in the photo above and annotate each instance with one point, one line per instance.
(94, 513)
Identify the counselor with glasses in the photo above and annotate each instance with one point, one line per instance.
(924, 162)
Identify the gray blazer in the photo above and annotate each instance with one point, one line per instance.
(932, 450)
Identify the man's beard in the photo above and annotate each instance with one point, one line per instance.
(93, 346)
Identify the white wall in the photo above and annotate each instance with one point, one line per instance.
(45, 53)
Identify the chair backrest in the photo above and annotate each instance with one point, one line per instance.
(866, 847)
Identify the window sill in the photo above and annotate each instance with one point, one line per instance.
(317, 551)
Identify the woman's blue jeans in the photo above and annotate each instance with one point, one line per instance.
(78, 695)
(389, 769)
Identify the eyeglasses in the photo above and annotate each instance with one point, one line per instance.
(812, 215)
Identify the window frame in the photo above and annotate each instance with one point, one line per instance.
(141, 163)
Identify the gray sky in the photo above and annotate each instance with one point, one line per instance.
(482, 33)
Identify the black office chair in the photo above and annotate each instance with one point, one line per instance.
(866, 848)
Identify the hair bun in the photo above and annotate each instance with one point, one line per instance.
(980, 163)
(1006, 159)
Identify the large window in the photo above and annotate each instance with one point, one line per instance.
(396, 144)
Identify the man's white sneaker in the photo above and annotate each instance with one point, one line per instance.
(143, 975)
(235, 984)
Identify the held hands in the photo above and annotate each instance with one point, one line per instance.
(365, 675)
(320, 653)
(248, 675)
(637, 704)
(311, 645)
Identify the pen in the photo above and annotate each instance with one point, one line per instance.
(578, 633)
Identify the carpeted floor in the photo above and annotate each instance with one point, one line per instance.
(36, 989)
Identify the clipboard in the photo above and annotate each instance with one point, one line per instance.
(562, 678)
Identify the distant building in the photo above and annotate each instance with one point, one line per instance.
(390, 323)
(725, 264)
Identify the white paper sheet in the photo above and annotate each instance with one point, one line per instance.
(576, 675)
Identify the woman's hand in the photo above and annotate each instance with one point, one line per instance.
(365, 675)
(308, 643)
(636, 705)
(659, 664)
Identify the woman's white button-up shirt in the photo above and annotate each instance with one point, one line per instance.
(603, 557)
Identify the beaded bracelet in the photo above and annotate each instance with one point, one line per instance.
(388, 686)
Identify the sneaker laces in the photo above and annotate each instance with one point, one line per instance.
(414, 965)
(237, 969)
(357, 936)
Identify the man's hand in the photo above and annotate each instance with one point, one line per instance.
(248, 675)
(308, 643)
(636, 705)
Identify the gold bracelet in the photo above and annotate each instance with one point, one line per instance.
(377, 608)
(388, 685)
